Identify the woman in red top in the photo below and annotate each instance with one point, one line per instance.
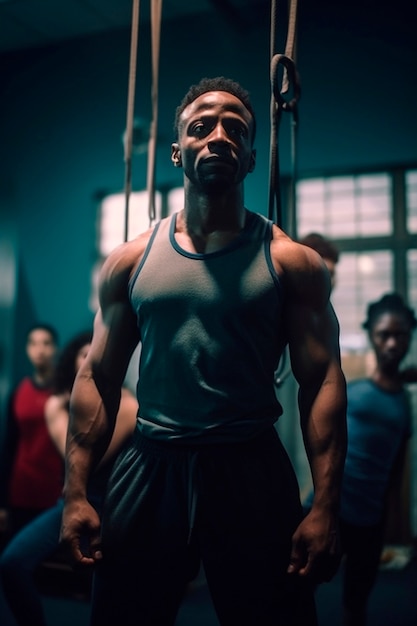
(31, 480)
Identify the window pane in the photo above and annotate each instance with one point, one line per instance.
(345, 206)
(374, 182)
(411, 199)
(361, 278)
(412, 278)
(344, 185)
(374, 214)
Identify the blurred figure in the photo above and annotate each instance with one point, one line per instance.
(326, 249)
(39, 540)
(379, 426)
(31, 472)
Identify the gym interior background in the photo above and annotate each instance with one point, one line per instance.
(64, 79)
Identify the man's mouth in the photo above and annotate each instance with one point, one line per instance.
(219, 161)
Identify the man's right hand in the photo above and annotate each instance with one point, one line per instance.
(80, 529)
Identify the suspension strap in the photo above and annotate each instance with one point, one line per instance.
(130, 111)
(283, 65)
(156, 12)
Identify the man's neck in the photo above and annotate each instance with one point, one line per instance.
(203, 230)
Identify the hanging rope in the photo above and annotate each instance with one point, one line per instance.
(156, 12)
(130, 111)
(283, 64)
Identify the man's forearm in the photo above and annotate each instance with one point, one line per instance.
(325, 438)
(78, 467)
(89, 431)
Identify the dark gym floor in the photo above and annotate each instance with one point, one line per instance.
(393, 603)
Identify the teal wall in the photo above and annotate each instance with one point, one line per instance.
(63, 111)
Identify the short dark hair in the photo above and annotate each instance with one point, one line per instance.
(47, 328)
(323, 246)
(388, 303)
(218, 83)
(64, 374)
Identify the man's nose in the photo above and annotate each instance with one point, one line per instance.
(218, 135)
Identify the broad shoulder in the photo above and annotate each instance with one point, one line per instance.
(302, 269)
(121, 264)
(126, 256)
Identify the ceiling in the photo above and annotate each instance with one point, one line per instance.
(26, 24)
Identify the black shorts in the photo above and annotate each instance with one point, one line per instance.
(232, 506)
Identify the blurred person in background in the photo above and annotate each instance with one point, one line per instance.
(39, 540)
(379, 427)
(31, 469)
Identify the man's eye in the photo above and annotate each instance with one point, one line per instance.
(199, 129)
(238, 131)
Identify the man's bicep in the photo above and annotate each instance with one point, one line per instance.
(115, 337)
(313, 341)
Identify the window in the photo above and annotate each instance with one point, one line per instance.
(372, 217)
(345, 206)
(361, 278)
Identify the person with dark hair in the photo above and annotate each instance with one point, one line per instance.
(326, 249)
(379, 427)
(31, 470)
(213, 293)
(67, 364)
(40, 539)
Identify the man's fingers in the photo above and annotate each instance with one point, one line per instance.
(76, 552)
(297, 559)
(95, 549)
(86, 549)
(307, 568)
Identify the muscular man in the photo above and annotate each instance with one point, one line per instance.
(214, 293)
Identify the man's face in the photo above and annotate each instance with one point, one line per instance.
(215, 141)
(41, 348)
(390, 337)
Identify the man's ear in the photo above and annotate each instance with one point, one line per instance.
(252, 161)
(176, 155)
